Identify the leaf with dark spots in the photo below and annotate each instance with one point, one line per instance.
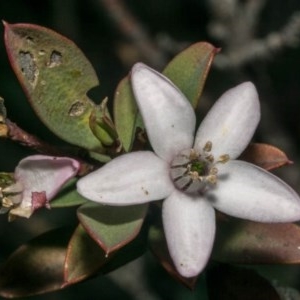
(56, 77)
(265, 156)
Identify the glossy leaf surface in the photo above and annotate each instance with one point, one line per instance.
(36, 267)
(55, 76)
(248, 242)
(112, 227)
(84, 257)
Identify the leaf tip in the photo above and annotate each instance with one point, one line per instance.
(5, 24)
(217, 50)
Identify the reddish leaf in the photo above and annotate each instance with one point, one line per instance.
(84, 257)
(245, 242)
(36, 267)
(228, 283)
(265, 156)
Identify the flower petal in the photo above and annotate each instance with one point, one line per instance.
(132, 178)
(189, 225)
(231, 122)
(42, 177)
(168, 116)
(249, 192)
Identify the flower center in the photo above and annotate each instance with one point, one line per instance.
(193, 172)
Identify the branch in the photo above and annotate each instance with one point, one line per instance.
(131, 29)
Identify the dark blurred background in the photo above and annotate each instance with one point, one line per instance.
(260, 41)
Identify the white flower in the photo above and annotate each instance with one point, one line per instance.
(38, 179)
(193, 175)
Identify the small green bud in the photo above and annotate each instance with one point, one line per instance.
(102, 126)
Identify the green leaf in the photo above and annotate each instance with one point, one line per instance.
(129, 252)
(188, 70)
(36, 267)
(125, 113)
(68, 196)
(248, 242)
(112, 227)
(84, 257)
(55, 76)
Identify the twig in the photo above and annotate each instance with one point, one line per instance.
(260, 49)
(234, 24)
(127, 24)
(17, 134)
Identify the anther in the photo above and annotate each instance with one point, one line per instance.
(207, 147)
(194, 154)
(224, 158)
(213, 171)
(210, 158)
(211, 179)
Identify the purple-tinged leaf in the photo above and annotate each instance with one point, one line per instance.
(112, 227)
(248, 242)
(265, 156)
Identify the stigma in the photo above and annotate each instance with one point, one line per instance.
(194, 172)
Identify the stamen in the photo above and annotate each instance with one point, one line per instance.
(212, 179)
(194, 155)
(207, 147)
(187, 185)
(224, 158)
(194, 172)
(213, 171)
(210, 158)
(194, 175)
(10, 192)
